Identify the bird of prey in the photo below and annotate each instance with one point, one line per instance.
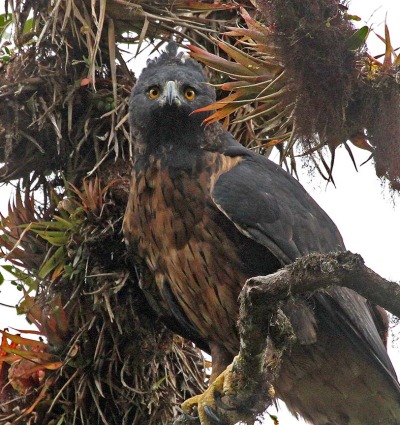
(205, 214)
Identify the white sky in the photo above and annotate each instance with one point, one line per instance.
(363, 210)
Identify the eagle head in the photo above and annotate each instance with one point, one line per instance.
(167, 93)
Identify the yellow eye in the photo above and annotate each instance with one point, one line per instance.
(154, 92)
(189, 93)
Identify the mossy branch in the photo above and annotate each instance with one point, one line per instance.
(318, 271)
(265, 332)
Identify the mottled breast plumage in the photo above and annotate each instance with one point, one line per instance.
(173, 223)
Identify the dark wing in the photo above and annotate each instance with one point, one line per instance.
(269, 206)
(349, 313)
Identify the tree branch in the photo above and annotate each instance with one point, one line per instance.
(317, 271)
(265, 332)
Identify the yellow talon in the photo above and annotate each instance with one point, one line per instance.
(221, 385)
(211, 406)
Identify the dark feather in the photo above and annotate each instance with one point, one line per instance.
(347, 312)
(287, 221)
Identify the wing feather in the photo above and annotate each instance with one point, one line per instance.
(269, 206)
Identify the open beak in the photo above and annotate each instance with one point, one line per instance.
(170, 94)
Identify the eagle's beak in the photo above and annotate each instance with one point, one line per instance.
(171, 94)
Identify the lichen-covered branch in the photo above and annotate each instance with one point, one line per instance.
(318, 271)
(265, 332)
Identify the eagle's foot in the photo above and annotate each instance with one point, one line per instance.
(210, 407)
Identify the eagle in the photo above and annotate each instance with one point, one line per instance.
(205, 214)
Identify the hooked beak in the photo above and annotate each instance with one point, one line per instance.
(170, 94)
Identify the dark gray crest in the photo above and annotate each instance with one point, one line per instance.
(170, 56)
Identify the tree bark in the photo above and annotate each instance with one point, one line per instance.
(318, 271)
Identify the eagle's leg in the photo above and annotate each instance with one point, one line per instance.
(209, 405)
(221, 358)
(206, 404)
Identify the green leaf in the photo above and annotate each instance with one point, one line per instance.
(66, 223)
(19, 274)
(158, 383)
(24, 280)
(358, 39)
(60, 224)
(248, 62)
(5, 21)
(61, 420)
(28, 27)
(352, 17)
(8, 268)
(58, 258)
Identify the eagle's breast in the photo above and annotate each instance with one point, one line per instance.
(185, 240)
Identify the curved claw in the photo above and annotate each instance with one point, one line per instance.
(220, 403)
(213, 416)
(209, 405)
(191, 418)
